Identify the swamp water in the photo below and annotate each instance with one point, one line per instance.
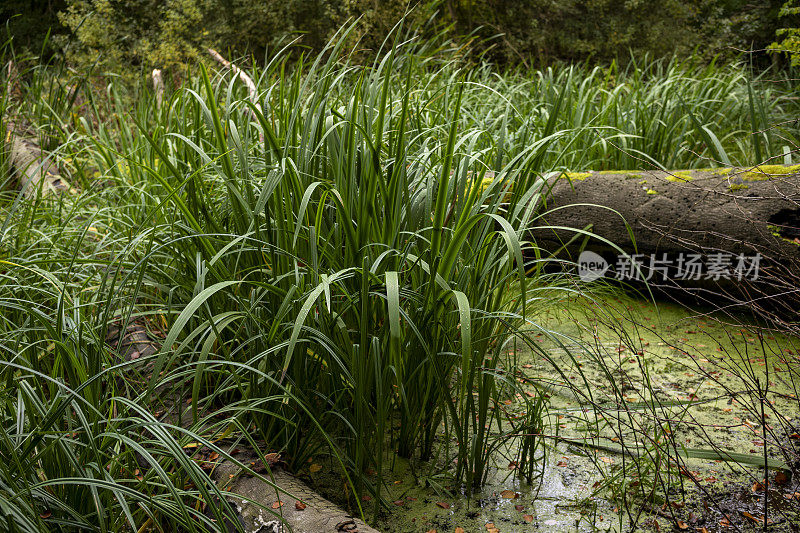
(653, 372)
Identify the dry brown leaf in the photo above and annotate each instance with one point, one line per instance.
(509, 495)
(528, 518)
(781, 478)
(46, 514)
(459, 530)
(681, 524)
(519, 508)
(213, 456)
(272, 458)
(399, 503)
(443, 505)
(299, 505)
(753, 518)
(277, 504)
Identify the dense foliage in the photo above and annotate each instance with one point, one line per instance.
(155, 33)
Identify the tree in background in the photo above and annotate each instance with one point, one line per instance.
(790, 42)
(30, 21)
(130, 34)
(151, 33)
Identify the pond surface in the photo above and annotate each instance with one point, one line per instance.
(654, 372)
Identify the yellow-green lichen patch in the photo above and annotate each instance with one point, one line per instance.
(580, 176)
(632, 175)
(652, 191)
(766, 172)
(679, 176)
(738, 187)
(608, 172)
(721, 171)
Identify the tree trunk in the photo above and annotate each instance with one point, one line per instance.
(37, 172)
(313, 513)
(750, 212)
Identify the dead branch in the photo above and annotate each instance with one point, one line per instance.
(158, 85)
(247, 80)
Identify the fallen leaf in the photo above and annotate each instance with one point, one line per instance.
(561, 463)
(213, 456)
(528, 518)
(399, 503)
(754, 519)
(781, 478)
(509, 495)
(459, 530)
(366, 498)
(607, 460)
(273, 458)
(701, 530)
(277, 504)
(299, 505)
(314, 468)
(681, 524)
(443, 505)
(519, 508)
(46, 514)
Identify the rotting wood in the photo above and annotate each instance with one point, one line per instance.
(247, 80)
(312, 513)
(37, 172)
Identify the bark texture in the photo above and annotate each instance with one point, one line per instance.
(748, 211)
(36, 171)
(731, 210)
(313, 513)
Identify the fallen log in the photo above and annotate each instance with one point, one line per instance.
(36, 171)
(300, 508)
(723, 215)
